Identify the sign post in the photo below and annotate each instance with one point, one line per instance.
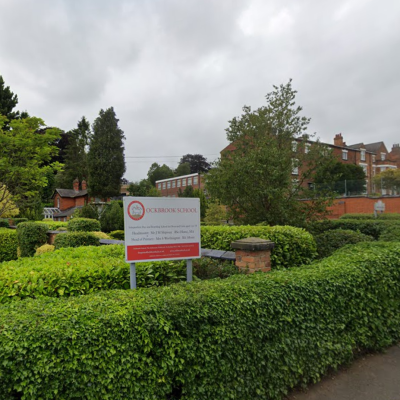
(161, 228)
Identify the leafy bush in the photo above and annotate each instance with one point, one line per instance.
(112, 218)
(17, 221)
(390, 234)
(293, 246)
(83, 225)
(55, 225)
(384, 216)
(117, 235)
(46, 248)
(101, 235)
(87, 211)
(205, 340)
(330, 241)
(76, 239)
(4, 223)
(208, 268)
(31, 235)
(8, 244)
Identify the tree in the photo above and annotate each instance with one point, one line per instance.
(388, 179)
(106, 162)
(24, 156)
(140, 189)
(216, 214)
(75, 157)
(197, 162)
(195, 193)
(158, 172)
(264, 173)
(347, 179)
(182, 169)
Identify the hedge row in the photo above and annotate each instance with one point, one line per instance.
(55, 225)
(372, 228)
(383, 216)
(8, 244)
(80, 271)
(246, 337)
(83, 225)
(293, 246)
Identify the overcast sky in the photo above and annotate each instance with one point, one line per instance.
(176, 71)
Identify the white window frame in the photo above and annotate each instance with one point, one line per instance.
(173, 184)
(307, 148)
(183, 182)
(168, 185)
(383, 156)
(362, 156)
(345, 155)
(159, 186)
(295, 169)
(195, 180)
(164, 185)
(178, 183)
(294, 146)
(189, 181)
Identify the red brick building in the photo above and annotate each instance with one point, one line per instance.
(170, 187)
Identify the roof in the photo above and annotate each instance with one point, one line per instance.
(67, 212)
(374, 147)
(356, 146)
(71, 193)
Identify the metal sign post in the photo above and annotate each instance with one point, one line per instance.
(189, 270)
(133, 276)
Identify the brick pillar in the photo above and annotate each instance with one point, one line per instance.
(253, 254)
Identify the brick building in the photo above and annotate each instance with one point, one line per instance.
(170, 187)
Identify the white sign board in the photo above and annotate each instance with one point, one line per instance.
(161, 228)
(379, 206)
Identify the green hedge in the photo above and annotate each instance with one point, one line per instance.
(83, 225)
(383, 216)
(75, 239)
(31, 235)
(246, 337)
(4, 223)
(78, 271)
(372, 228)
(8, 244)
(293, 246)
(391, 234)
(17, 221)
(330, 241)
(117, 235)
(55, 225)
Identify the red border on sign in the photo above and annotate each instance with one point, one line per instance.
(162, 251)
(129, 212)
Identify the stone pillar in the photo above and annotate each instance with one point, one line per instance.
(253, 254)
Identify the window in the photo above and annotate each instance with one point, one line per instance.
(163, 185)
(362, 155)
(373, 170)
(178, 183)
(307, 148)
(365, 169)
(294, 146)
(195, 180)
(173, 183)
(295, 168)
(383, 156)
(183, 182)
(373, 158)
(344, 154)
(189, 180)
(58, 202)
(168, 185)
(159, 186)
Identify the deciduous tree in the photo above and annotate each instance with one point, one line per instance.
(158, 172)
(197, 162)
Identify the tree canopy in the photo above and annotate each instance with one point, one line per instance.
(197, 163)
(106, 162)
(182, 169)
(264, 174)
(24, 161)
(157, 172)
(388, 179)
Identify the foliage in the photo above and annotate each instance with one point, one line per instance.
(189, 192)
(4, 223)
(216, 214)
(140, 189)
(76, 239)
(330, 241)
(87, 211)
(208, 268)
(117, 235)
(31, 235)
(46, 248)
(347, 179)
(388, 179)
(83, 225)
(23, 156)
(106, 162)
(55, 225)
(9, 244)
(101, 235)
(197, 163)
(75, 158)
(17, 221)
(157, 172)
(205, 340)
(112, 218)
(264, 174)
(182, 169)
(6, 203)
(385, 216)
(293, 246)
(390, 234)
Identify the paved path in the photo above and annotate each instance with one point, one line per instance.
(373, 377)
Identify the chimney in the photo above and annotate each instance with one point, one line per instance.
(75, 185)
(338, 140)
(84, 185)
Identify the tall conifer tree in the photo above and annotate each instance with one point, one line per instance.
(106, 162)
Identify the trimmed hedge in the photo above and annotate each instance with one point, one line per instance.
(8, 244)
(247, 337)
(390, 234)
(55, 225)
(117, 235)
(293, 246)
(17, 221)
(372, 228)
(4, 223)
(79, 271)
(384, 216)
(44, 249)
(31, 235)
(330, 241)
(76, 239)
(83, 225)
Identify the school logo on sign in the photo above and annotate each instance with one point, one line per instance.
(136, 210)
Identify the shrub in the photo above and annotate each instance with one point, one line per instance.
(55, 225)
(208, 268)
(112, 218)
(46, 248)
(76, 239)
(330, 241)
(83, 225)
(390, 234)
(8, 244)
(87, 211)
(101, 235)
(380, 216)
(31, 235)
(117, 235)
(17, 221)
(205, 340)
(4, 223)
(216, 214)
(293, 246)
